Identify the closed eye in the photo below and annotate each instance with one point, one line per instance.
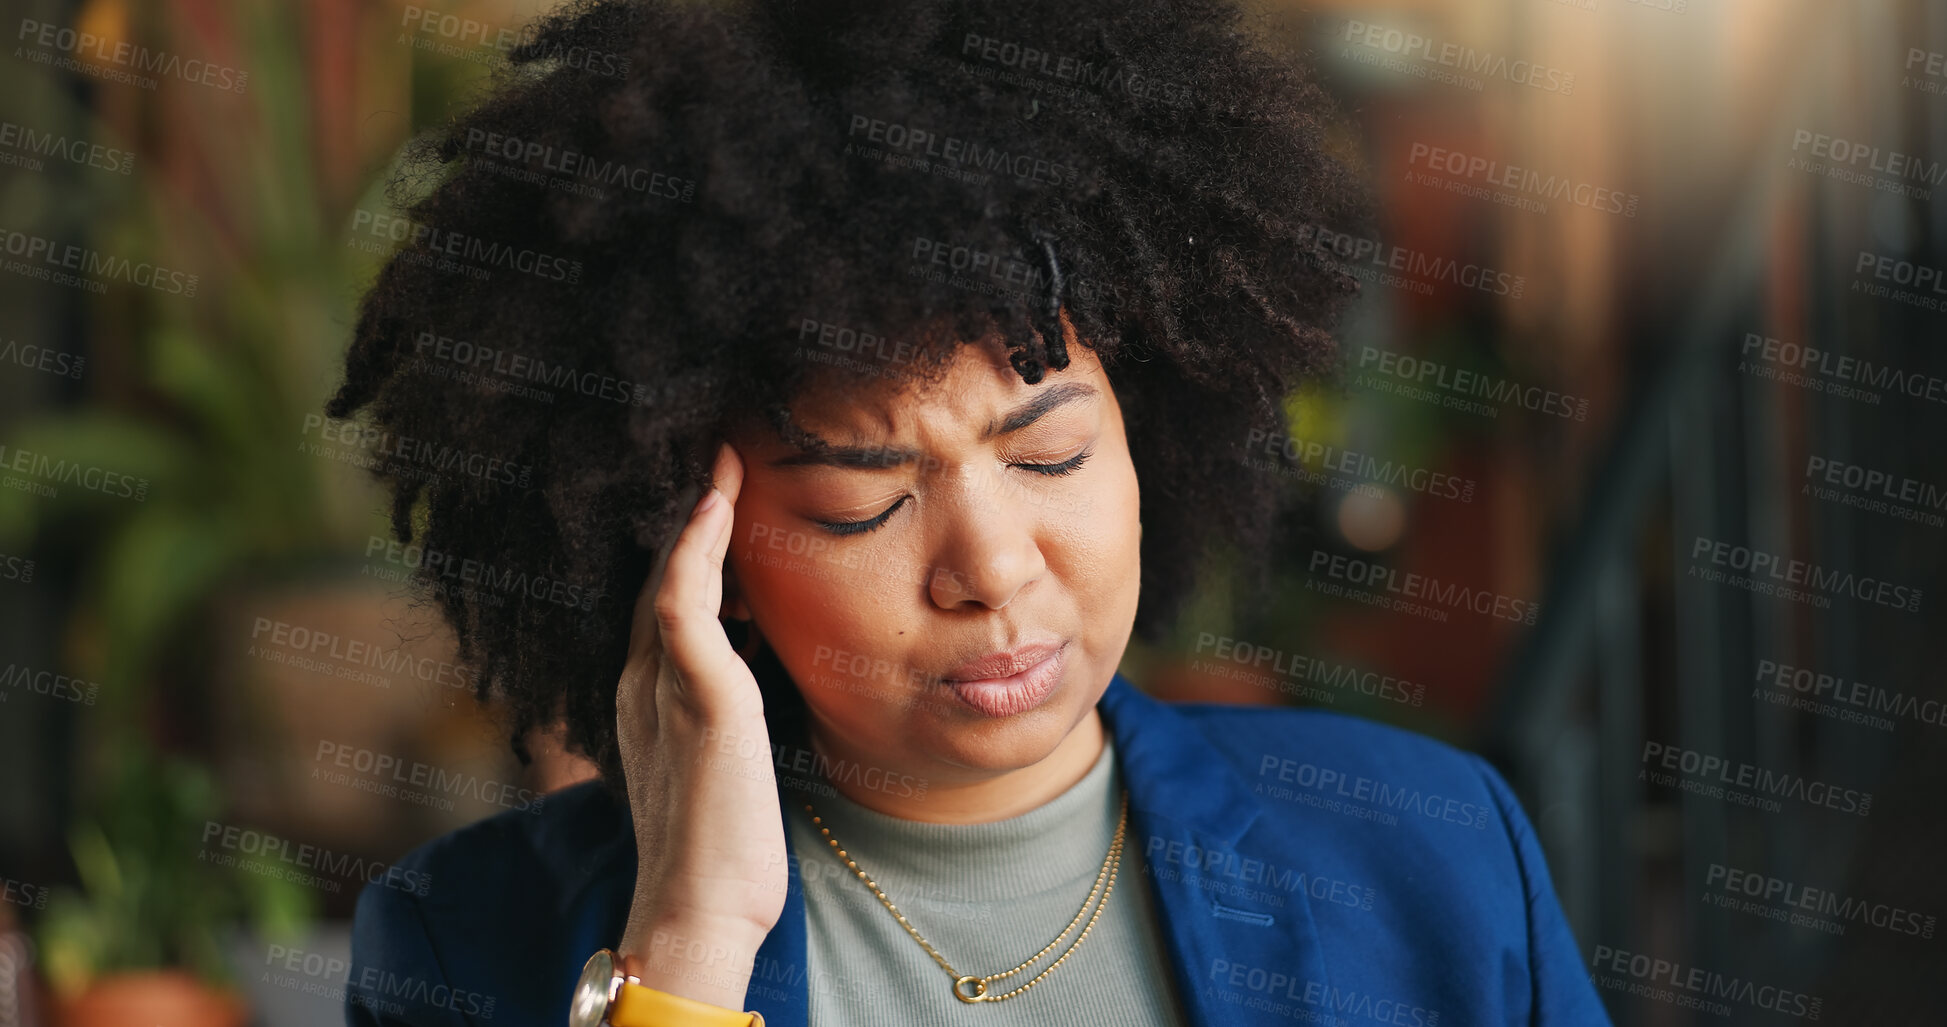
(861, 527)
(1068, 466)
(1065, 467)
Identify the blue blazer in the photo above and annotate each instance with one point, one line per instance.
(1308, 867)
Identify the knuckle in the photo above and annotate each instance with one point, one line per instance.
(671, 612)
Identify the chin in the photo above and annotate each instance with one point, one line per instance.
(977, 742)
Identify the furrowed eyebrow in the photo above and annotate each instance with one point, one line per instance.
(823, 454)
(1031, 411)
(868, 458)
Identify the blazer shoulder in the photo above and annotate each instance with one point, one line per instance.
(550, 841)
(419, 924)
(1262, 738)
(483, 849)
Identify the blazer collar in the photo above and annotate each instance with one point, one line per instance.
(1175, 774)
(1185, 795)
(1181, 789)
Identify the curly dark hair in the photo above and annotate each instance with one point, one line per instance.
(664, 217)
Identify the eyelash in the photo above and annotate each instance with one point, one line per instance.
(1066, 467)
(1062, 469)
(861, 527)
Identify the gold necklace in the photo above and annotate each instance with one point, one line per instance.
(978, 985)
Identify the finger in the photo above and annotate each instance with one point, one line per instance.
(644, 639)
(694, 645)
(634, 716)
(728, 477)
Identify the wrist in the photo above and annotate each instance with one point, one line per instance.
(705, 958)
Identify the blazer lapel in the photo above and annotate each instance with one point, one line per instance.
(780, 981)
(1191, 808)
(1184, 797)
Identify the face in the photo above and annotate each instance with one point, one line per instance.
(951, 584)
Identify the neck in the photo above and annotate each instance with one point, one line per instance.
(978, 797)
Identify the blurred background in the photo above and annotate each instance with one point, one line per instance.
(1636, 458)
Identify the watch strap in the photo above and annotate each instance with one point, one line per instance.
(638, 1005)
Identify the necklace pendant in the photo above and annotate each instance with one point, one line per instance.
(979, 993)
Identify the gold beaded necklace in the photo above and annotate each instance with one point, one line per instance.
(968, 987)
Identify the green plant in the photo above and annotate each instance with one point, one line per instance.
(150, 894)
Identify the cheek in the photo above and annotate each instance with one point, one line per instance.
(1098, 535)
(824, 611)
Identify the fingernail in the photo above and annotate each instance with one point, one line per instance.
(711, 497)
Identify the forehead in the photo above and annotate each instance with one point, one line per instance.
(970, 392)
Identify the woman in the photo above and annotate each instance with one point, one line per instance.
(896, 360)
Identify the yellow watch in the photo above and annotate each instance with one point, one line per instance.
(607, 997)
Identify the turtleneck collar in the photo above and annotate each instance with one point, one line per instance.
(1049, 847)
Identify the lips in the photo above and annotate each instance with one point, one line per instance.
(1002, 664)
(1007, 683)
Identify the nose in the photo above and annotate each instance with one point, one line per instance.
(988, 552)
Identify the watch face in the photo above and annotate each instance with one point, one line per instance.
(590, 1006)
